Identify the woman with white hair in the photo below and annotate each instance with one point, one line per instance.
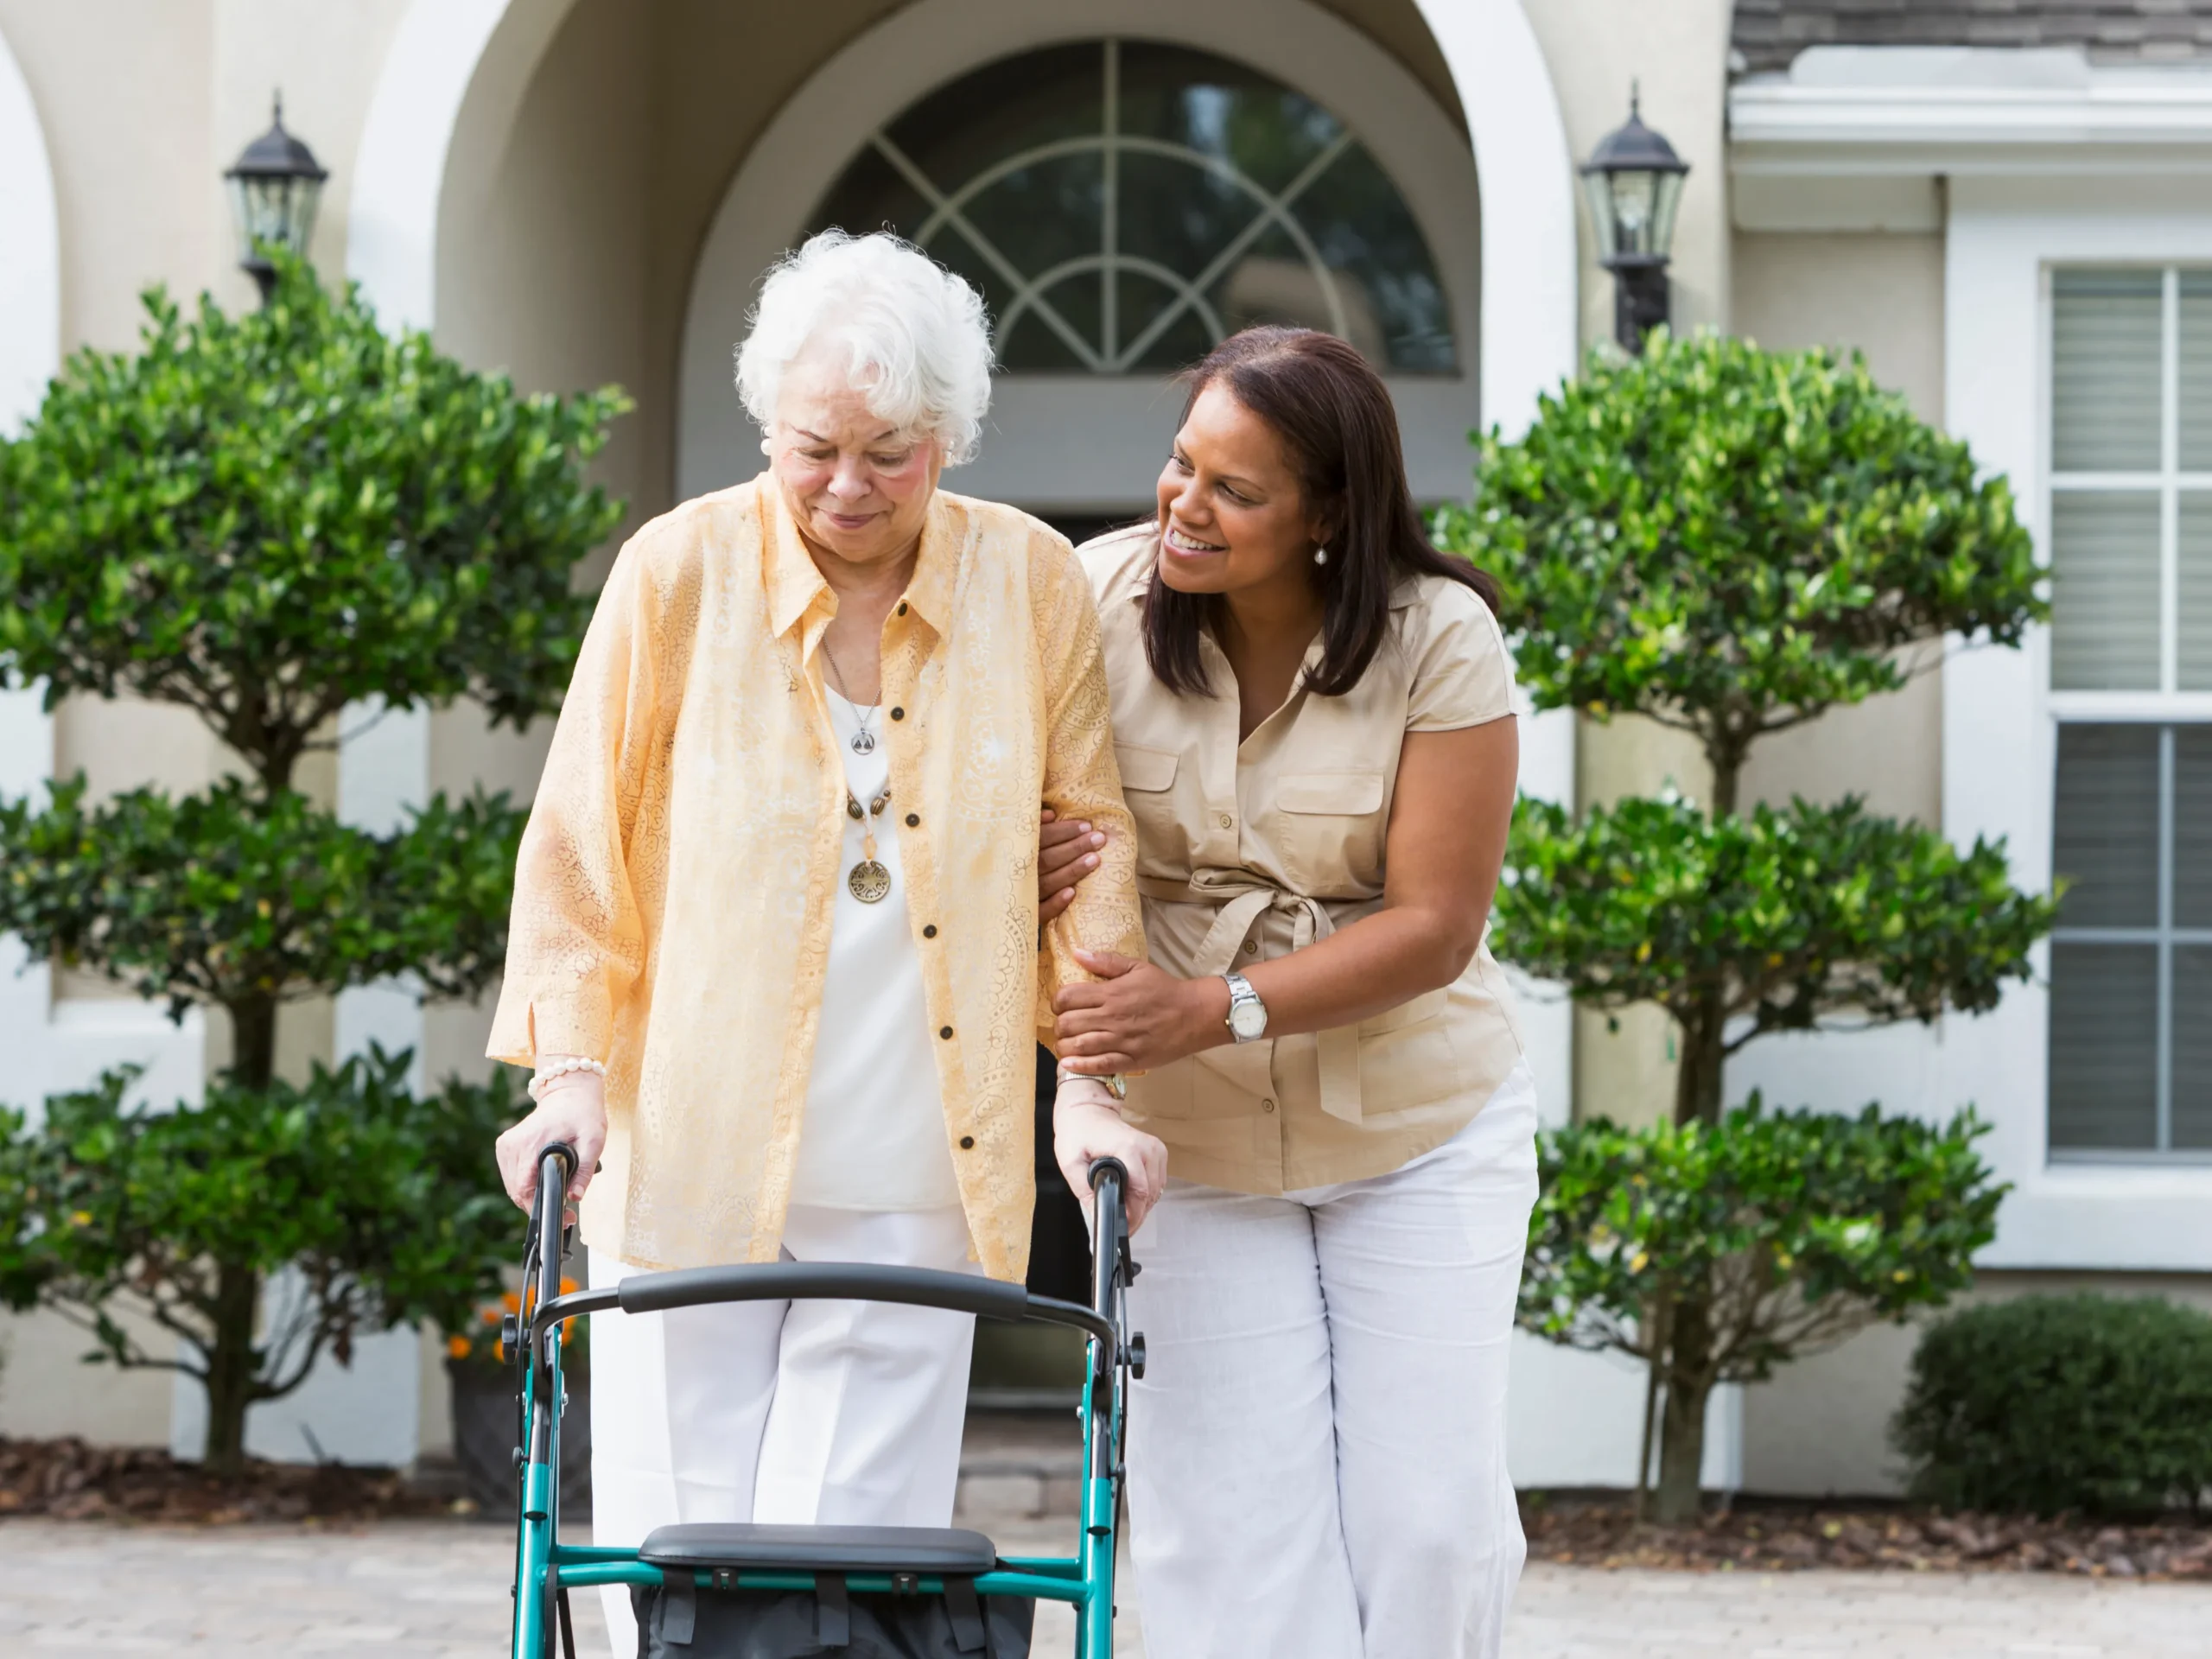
(776, 908)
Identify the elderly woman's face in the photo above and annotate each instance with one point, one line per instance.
(859, 488)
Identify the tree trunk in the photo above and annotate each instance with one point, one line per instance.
(1682, 1430)
(253, 1041)
(1703, 1030)
(231, 1365)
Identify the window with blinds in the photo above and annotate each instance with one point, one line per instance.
(2130, 532)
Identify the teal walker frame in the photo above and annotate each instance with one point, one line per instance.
(546, 1569)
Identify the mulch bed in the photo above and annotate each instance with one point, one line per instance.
(1777, 1536)
(68, 1480)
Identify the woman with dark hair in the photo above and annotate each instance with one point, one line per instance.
(1313, 712)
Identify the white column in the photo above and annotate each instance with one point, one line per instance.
(371, 1411)
(52, 1048)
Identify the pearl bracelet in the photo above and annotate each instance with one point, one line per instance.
(561, 1069)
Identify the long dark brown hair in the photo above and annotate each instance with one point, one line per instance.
(1335, 418)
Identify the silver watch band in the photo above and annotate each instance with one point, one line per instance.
(1248, 1014)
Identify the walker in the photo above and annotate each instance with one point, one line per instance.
(716, 1590)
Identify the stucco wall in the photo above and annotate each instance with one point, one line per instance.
(1883, 295)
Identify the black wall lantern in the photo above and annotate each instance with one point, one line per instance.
(276, 186)
(1634, 182)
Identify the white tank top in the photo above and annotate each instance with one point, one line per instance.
(874, 1136)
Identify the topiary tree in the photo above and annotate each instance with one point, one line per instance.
(267, 519)
(1732, 542)
(1798, 1229)
(377, 1201)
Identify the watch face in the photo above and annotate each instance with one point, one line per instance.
(1248, 1020)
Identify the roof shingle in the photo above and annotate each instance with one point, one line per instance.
(1769, 34)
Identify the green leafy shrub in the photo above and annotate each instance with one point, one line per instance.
(1798, 1228)
(1769, 919)
(2045, 1404)
(377, 1201)
(1730, 542)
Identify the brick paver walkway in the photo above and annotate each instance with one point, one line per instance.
(408, 1591)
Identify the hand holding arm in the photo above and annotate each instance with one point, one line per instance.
(1448, 821)
(1067, 854)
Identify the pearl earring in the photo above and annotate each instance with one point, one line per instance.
(1320, 556)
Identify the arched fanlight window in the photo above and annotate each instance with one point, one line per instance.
(1124, 204)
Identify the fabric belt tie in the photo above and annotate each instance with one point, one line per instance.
(1337, 1048)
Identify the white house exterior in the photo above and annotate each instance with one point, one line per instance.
(2011, 215)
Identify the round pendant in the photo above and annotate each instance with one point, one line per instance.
(863, 742)
(869, 881)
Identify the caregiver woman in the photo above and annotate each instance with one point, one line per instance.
(1312, 713)
(775, 954)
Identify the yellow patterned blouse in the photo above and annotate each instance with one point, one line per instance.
(672, 898)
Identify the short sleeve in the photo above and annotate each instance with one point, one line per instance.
(1462, 673)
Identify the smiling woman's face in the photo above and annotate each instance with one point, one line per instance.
(1232, 513)
(858, 487)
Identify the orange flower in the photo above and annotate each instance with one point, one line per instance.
(568, 1287)
(457, 1346)
(489, 1315)
(511, 1302)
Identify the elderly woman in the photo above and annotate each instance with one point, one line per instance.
(775, 908)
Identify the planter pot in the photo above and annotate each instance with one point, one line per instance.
(485, 1427)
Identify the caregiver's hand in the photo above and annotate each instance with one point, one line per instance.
(1067, 853)
(573, 1110)
(1086, 1127)
(1134, 1017)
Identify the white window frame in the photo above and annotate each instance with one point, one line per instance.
(2005, 235)
(2164, 708)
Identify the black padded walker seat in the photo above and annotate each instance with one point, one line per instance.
(942, 1551)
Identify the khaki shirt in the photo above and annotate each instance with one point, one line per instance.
(672, 901)
(1248, 851)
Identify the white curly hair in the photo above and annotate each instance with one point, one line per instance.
(919, 342)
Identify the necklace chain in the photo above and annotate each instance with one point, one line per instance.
(863, 740)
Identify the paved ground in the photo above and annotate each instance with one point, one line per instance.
(412, 1590)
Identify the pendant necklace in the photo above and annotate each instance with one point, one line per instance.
(863, 740)
(867, 881)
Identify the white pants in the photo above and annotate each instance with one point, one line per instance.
(1317, 1453)
(797, 1413)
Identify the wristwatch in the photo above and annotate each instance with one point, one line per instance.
(1248, 1015)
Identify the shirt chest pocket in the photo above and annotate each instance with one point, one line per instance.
(1148, 787)
(1332, 825)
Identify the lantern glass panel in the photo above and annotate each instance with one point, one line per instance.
(273, 208)
(1598, 191)
(1666, 197)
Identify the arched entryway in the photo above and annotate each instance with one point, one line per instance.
(1126, 181)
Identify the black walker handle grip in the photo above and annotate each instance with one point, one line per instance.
(566, 1153)
(1101, 1167)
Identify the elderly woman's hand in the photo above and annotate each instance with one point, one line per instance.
(573, 1109)
(1135, 1017)
(1088, 1126)
(1067, 853)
